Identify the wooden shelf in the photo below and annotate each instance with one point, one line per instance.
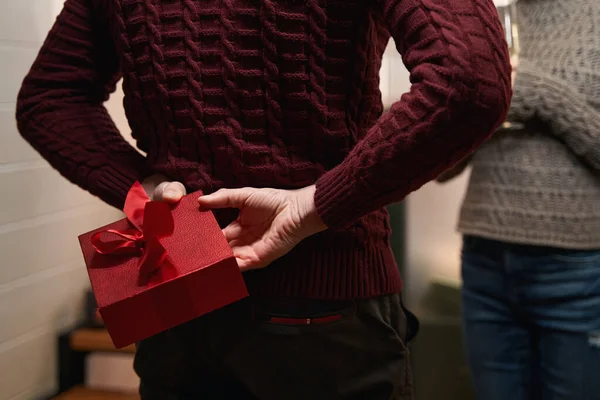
(95, 340)
(82, 393)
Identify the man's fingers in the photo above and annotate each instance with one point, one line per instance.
(170, 192)
(232, 231)
(246, 258)
(225, 198)
(151, 183)
(242, 264)
(247, 264)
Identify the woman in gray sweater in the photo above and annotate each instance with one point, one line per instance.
(531, 219)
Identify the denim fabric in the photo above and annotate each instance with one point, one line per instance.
(531, 321)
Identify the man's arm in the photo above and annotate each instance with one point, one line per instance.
(454, 171)
(567, 112)
(60, 108)
(461, 86)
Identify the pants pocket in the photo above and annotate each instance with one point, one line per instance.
(302, 313)
(357, 354)
(412, 324)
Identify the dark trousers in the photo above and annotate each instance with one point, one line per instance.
(532, 321)
(284, 350)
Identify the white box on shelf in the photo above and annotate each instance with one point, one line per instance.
(111, 372)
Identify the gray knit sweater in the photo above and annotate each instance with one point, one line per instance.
(542, 186)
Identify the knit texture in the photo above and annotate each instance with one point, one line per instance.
(542, 186)
(282, 94)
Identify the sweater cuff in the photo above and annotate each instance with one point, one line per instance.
(336, 198)
(112, 183)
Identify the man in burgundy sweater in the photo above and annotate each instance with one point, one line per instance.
(273, 108)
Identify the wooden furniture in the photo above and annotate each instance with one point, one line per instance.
(82, 393)
(73, 347)
(92, 339)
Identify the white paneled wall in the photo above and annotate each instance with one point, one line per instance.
(42, 276)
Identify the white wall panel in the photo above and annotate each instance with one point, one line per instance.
(42, 276)
(36, 190)
(13, 148)
(13, 72)
(56, 297)
(30, 247)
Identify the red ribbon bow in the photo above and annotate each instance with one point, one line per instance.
(152, 221)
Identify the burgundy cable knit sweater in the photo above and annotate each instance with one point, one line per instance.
(283, 94)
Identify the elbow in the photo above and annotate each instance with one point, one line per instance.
(493, 92)
(496, 98)
(24, 110)
(486, 106)
(21, 117)
(485, 73)
(23, 122)
(482, 85)
(29, 109)
(492, 108)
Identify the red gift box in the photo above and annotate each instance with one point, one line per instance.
(160, 267)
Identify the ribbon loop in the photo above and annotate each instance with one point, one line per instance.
(129, 241)
(151, 220)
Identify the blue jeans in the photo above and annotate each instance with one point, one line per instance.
(532, 321)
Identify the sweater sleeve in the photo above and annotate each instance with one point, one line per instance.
(567, 112)
(60, 109)
(459, 68)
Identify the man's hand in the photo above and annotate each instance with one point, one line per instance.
(160, 189)
(270, 224)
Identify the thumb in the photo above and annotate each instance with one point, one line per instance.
(225, 198)
(170, 192)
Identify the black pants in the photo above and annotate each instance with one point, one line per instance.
(277, 350)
